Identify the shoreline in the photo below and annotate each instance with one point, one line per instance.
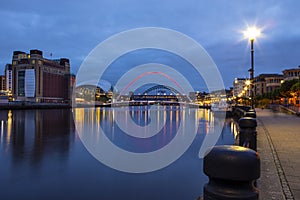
(26, 106)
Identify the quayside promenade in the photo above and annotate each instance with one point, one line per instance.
(279, 149)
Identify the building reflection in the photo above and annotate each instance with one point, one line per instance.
(34, 135)
(41, 159)
(92, 122)
(141, 115)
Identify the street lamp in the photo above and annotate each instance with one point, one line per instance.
(248, 86)
(252, 33)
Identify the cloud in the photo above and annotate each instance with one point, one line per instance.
(73, 28)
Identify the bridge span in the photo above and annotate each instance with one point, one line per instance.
(141, 103)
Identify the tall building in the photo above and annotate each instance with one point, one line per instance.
(37, 79)
(290, 74)
(2, 84)
(8, 77)
(238, 86)
(265, 83)
(72, 88)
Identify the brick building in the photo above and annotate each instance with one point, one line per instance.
(265, 83)
(37, 79)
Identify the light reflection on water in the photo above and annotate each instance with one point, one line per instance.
(41, 156)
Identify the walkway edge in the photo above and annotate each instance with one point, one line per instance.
(283, 180)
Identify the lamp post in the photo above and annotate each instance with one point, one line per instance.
(252, 33)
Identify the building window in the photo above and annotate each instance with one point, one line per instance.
(21, 83)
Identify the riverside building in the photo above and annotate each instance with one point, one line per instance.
(8, 77)
(290, 74)
(38, 79)
(266, 83)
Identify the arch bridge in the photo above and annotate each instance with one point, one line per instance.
(161, 93)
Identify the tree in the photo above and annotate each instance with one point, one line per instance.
(285, 89)
(295, 91)
(296, 87)
(276, 93)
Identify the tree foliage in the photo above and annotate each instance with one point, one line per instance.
(285, 89)
(296, 87)
(276, 94)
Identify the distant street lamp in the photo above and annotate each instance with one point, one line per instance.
(252, 33)
(248, 83)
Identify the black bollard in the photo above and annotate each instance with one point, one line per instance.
(247, 132)
(232, 171)
(251, 110)
(238, 113)
(250, 113)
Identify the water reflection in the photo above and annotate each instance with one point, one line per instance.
(34, 145)
(130, 127)
(33, 133)
(42, 158)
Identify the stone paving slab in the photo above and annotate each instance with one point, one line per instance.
(269, 183)
(279, 148)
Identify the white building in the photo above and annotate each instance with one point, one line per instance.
(8, 77)
(239, 85)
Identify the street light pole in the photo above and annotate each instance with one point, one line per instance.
(252, 33)
(252, 73)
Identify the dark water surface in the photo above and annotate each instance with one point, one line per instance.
(42, 156)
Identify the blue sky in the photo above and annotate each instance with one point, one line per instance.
(73, 28)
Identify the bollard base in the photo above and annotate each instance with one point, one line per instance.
(232, 171)
(226, 190)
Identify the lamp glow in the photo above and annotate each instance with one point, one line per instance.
(247, 82)
(252, 33)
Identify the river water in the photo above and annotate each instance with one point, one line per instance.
(44, 154)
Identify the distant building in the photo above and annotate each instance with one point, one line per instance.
(238, 86)
(37, 79)
(2, 84)
(8, 77)
(72, 87)
(290, 74)
(265, 83)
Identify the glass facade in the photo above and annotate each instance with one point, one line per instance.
(21, 83)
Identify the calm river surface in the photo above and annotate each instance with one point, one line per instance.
(42, 155)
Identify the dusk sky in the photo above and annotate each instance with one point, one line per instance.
(73, 28)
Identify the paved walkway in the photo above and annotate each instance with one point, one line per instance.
(279, 149)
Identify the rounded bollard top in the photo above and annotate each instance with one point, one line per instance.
(232, 163)
(251, 110)
(250, 114)
(247, 122)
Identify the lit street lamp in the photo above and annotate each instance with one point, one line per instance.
(252, 33)
(248, 89)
